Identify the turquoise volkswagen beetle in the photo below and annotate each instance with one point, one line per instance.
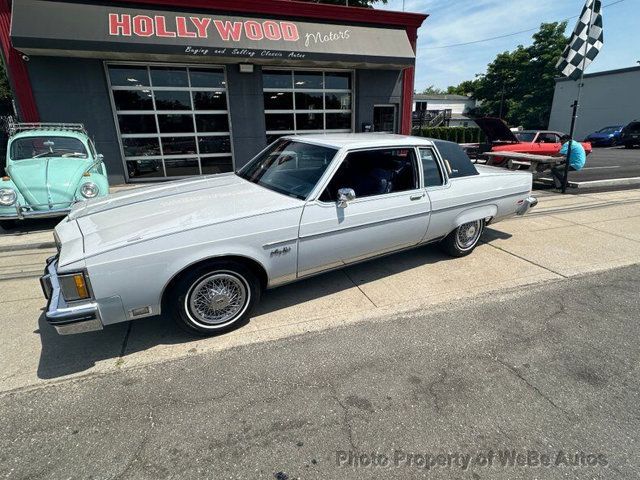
(49, 167)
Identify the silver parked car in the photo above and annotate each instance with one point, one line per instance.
(204, 249)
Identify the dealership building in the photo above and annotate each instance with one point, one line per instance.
(172, 88)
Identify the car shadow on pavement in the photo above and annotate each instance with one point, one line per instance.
(490, 234)
(32, 225)
(73, 354)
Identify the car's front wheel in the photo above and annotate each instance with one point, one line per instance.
(464, 239)
(215, 298)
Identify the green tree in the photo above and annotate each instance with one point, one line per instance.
(351, 3)
(6, 105)
(433, 90)
(518, 85)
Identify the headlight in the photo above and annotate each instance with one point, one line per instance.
(89, 190)
(74, 287)
(7, 197)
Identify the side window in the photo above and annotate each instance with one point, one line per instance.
(455, 159)
(432, 173)
(548, 138)
(374, 172)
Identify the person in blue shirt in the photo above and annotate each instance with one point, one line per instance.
(576, 162)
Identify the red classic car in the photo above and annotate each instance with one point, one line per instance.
(539, 142)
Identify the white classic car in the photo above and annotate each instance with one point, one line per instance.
(204, 249)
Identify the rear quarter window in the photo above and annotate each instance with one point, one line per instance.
(456, 160)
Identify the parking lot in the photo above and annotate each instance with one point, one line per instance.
(609, 167)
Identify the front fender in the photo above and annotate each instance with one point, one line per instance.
(476, 213)
(100, 180)
(8, 183)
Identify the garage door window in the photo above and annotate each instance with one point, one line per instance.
(173, 121)
(307, 101)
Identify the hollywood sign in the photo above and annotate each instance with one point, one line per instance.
(200, 27)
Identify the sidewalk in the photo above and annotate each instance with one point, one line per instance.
(563, 237)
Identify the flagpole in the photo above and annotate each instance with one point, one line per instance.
(576, 103)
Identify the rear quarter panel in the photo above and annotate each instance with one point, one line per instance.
(494, 194)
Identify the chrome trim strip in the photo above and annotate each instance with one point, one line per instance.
(464, 205)
(365, 225)
(280, 242)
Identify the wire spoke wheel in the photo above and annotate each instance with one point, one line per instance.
(218, 298)
(468, 235)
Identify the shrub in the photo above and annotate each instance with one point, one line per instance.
(452, 134)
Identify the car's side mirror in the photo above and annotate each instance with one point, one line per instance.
(345, 195)
(100, 158)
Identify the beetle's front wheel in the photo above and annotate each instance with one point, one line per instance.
(215, 298)
(464, 239)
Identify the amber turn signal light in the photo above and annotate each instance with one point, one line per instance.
(81, 286)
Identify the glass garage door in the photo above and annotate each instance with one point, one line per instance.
(306, 101)
(173, 121)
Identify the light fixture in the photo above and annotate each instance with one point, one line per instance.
(7, 197)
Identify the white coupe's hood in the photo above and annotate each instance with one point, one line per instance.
(143, 213)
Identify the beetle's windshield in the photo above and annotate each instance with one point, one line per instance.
(47, 147)
(289, 167)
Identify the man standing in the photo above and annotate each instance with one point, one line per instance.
(576, 162)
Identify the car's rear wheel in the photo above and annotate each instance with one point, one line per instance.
(464, 239)
(214, 298)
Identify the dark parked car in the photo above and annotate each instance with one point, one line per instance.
(605, 137)
(630, 136)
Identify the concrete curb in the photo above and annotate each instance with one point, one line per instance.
(27, 246)
(608, 182)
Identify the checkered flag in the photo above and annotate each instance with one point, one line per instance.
(585, 43)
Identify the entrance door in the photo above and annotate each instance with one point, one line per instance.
(384, 118)
(390, 211)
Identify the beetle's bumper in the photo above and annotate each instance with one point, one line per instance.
(527, 205)
(67, 318)
(19, 212)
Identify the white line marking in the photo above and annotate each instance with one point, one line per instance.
(600, 168)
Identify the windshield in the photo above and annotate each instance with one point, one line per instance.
(525, 136)
(609, 130)
(46, 147)
(289, 167)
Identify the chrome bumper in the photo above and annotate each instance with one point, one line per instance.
(67, 318)
(22, 212)
(528, 204)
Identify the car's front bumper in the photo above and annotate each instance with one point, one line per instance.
(68, 319)
(21, 212)
(527, 204)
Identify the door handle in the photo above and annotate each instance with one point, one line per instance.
(416, 197)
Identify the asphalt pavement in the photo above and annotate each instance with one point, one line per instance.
(608, 168)
(547, 372)
(618, 162)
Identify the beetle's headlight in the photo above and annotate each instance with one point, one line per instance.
(7, 197)
(89, 190)
(74, 287)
